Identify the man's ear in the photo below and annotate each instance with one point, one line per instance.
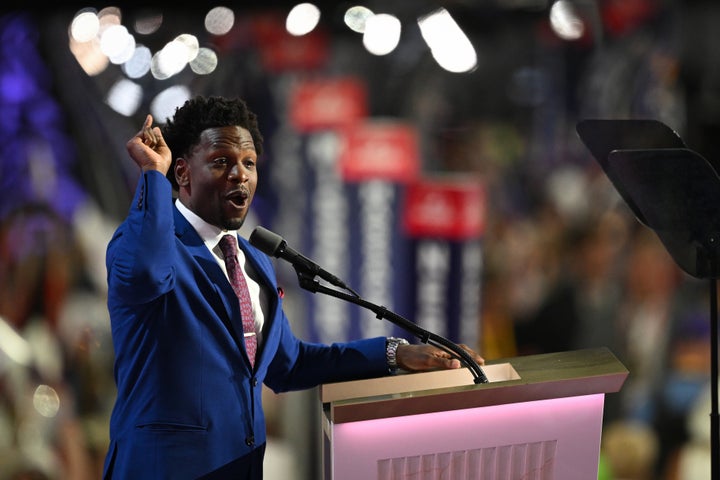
(182, 173)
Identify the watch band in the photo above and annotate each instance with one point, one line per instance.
(391, 346)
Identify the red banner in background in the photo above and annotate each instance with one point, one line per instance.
(380, 150)
(331, 103)
(449, 208)
(280, 51)
(444, 216)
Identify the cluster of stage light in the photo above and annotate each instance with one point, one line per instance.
(99, 38)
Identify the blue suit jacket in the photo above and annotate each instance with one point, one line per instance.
(188, 403)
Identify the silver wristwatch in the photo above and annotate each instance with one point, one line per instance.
(391, 346)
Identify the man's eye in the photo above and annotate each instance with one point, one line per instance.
(220, 161)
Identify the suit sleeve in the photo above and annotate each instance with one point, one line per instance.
(139, 256)
(312, 364)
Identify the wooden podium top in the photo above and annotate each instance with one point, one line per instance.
(518, 379)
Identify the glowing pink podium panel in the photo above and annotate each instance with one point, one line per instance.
(538, 418)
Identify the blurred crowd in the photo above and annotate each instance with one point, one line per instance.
(56, 384)
(606, 280)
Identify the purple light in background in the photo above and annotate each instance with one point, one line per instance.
(36, 155)
(23, 74)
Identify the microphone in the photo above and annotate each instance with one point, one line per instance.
(274, 245)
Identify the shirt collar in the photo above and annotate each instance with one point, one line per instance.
(210, 234)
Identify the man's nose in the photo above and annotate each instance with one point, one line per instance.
(238, 171)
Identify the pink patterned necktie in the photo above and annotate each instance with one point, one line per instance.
(228, 245)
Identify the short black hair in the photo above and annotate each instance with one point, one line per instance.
(182, 132)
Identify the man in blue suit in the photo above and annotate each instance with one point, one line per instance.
(188, 395)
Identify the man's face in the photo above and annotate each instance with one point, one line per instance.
(217, 179)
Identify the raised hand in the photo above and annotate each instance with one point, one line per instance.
(148, 149)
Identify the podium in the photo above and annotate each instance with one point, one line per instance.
(538, 417)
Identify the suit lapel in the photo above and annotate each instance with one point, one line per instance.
(224, 300)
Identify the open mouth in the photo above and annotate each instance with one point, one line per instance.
(238, 198)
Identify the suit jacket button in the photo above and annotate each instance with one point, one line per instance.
(254, 382)
(250, 441)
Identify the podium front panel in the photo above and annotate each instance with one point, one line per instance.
(556, 439)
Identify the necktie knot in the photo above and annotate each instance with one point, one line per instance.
(228, 246)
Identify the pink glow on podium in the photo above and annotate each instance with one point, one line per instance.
(555, 439)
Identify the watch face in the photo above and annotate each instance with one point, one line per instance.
(391, 345)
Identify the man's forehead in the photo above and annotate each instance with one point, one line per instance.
(227, 135)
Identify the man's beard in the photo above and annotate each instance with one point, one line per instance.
(233, 223)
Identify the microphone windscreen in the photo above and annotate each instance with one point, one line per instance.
(265, 240)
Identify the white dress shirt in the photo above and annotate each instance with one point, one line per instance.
(211, 236)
